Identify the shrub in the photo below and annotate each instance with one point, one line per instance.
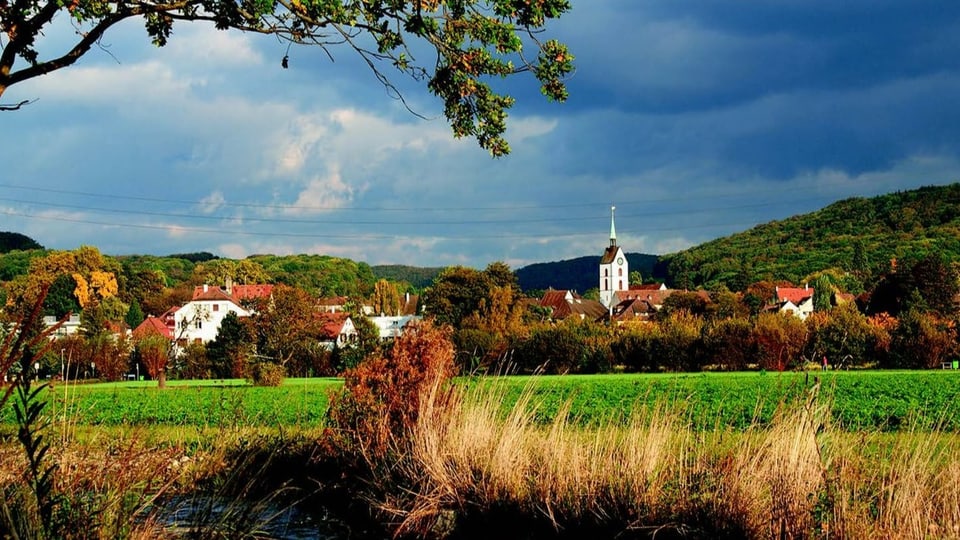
(266, 374)
(381, 396)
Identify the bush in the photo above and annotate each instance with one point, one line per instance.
(266, 374)
(381, 397)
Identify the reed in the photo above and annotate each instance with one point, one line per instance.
(649, 470)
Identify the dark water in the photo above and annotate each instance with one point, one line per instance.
(210, 515)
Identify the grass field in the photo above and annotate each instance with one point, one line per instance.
(884, 400)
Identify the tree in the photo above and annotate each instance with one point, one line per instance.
(134, 315)
(285, 325)
(230, 351)
(465, 44)
(780, 339)
(823, 290)
(456, 294)
(386, 299)
(154, 352)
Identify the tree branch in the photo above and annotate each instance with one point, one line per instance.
(17, 106)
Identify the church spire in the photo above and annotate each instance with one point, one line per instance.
(613, 229)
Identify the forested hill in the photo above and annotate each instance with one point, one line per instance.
(578, 274)
(417, 276)
(859, 236)
(10, 241)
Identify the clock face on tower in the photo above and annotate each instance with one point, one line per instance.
(619, 260)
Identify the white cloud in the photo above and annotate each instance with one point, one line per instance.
(323, 193)
(213, 202)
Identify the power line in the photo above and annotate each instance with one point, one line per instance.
(243, 232)
(262, 206)
(511, 221)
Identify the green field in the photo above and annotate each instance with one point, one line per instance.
(885, 400)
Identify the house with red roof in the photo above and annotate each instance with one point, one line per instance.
(565, 304)
(337, 330)
(152, 326)
(198, 321)
(797, 301)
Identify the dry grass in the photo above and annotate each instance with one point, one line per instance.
(798, 477)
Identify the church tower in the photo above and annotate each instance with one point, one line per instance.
(614, 273)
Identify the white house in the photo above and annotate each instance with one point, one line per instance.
(69, 327)
(795, 300)
(198, 321)
(393, 326)
(338, 330)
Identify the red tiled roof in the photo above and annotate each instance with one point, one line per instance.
(211, 294)
(634, 308)
(655, 297)
(245, 292)
(554, 298)
(236, 294)
(794, 294)
(646, 287)
(152, 326)
(332, 323)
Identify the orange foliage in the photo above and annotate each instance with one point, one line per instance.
(382, 395)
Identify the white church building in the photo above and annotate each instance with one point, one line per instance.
(614, 270)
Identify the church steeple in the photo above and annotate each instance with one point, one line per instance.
(613, 229)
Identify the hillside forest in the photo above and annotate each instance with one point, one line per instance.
(882, 273)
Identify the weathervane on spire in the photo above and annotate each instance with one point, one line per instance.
(613, 229)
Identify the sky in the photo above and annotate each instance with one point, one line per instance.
(695, 119)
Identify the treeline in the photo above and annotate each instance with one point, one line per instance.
(908, 320)
(158, 283)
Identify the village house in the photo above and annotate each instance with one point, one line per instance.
(338, 330)
(797, 301)
(564, 304)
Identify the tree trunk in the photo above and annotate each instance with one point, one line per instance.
(162, 379)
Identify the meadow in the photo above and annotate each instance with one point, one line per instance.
(858, 400)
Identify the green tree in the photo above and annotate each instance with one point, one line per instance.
(60, 299)
(456, 294)
(823, 290)
(231, 350)
(470, 42)
(134, 314)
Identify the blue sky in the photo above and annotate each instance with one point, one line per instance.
(696, 119)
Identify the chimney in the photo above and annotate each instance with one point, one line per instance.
(229, 285)
(205, 287)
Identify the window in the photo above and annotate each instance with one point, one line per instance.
(606, 272)
(619, 273)
(621, 285)
(216, 307)
(199, 324)
(606, 284)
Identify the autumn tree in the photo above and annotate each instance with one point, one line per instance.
(843, 335)
(153, 351)
(286, 326)
(457, 48)
(730, 343)
(456, 294)
(922, 340)
(386, 299)
(780, 340)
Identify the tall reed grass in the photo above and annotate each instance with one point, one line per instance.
(648, 471)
